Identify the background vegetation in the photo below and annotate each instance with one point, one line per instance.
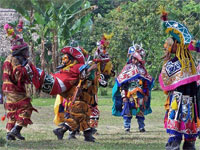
(52, 24)
(56, 23)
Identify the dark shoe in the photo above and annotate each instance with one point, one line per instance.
(10, 137)
(16, 132)
(94, 130)
(189, 145)
(127, 130)
(72, 135)
(175, 145)
(59, 132)
(78, 132)
(88, 136)
(142, 130)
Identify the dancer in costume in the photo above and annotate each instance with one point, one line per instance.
(76, 83)
(103, 73)
(178, 79)
(91, 82)
(132, 90)
(18, 71)
(102, 58)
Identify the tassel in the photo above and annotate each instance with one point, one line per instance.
(174, 105)
(172, 114)
(138, 110)
(189, 124)
(182, 126)
(163, 12)
(194, 129)
(3, 118)
(108, 36)
(198, 122)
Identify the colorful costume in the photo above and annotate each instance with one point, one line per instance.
(77, 88)
(132, 90)
(16, 73)
(102, 58)
(103, 73)
(178, 79)
(88, 95)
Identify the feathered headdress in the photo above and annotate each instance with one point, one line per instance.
(104, 40)
(17, 42)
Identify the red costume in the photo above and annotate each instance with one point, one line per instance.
(17, 72)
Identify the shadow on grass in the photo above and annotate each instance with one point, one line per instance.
(131, 138)
(134, 132)
(41, 144)
(80, 145)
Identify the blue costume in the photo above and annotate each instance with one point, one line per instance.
(131, 93)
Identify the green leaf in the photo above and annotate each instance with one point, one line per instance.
(39, 19)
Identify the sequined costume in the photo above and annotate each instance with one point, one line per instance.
(132, 91)
(178, 79)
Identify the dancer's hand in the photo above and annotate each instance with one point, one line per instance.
(125, 99)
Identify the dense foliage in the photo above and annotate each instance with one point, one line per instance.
(58, 22)
(140, 22)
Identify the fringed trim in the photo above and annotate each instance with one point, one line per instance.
(23, 121)
(7, 66)
(23, 76)
(6, 77)
(188, 136)
(185, 58)
(10, 87)
(36, 77)
(11, 114)
(175, 138)
(17, 104)
(178, 83)
(9, 126)
(190, 139)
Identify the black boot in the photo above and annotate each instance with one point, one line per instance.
(72, 135)
(142, 130)
(174, 145)
(10, 137)
(88, 135)
(59, 132)
(16, 132)
(94, 130)
(189, 145)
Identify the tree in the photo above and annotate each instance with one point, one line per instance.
(140, 22)
(52, 20)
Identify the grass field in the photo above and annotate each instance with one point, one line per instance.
(111, 135)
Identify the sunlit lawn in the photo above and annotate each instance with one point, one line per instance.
(110, 135)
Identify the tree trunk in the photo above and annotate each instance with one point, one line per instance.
(31, 41)
(54, 50)
(42, 58)
(1, 72)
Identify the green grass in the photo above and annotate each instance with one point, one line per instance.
(110, 136)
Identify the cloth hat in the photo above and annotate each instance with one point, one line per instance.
(176, 29)
(74, 52)
(136, 48)
(131, 50)
(17, 43)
